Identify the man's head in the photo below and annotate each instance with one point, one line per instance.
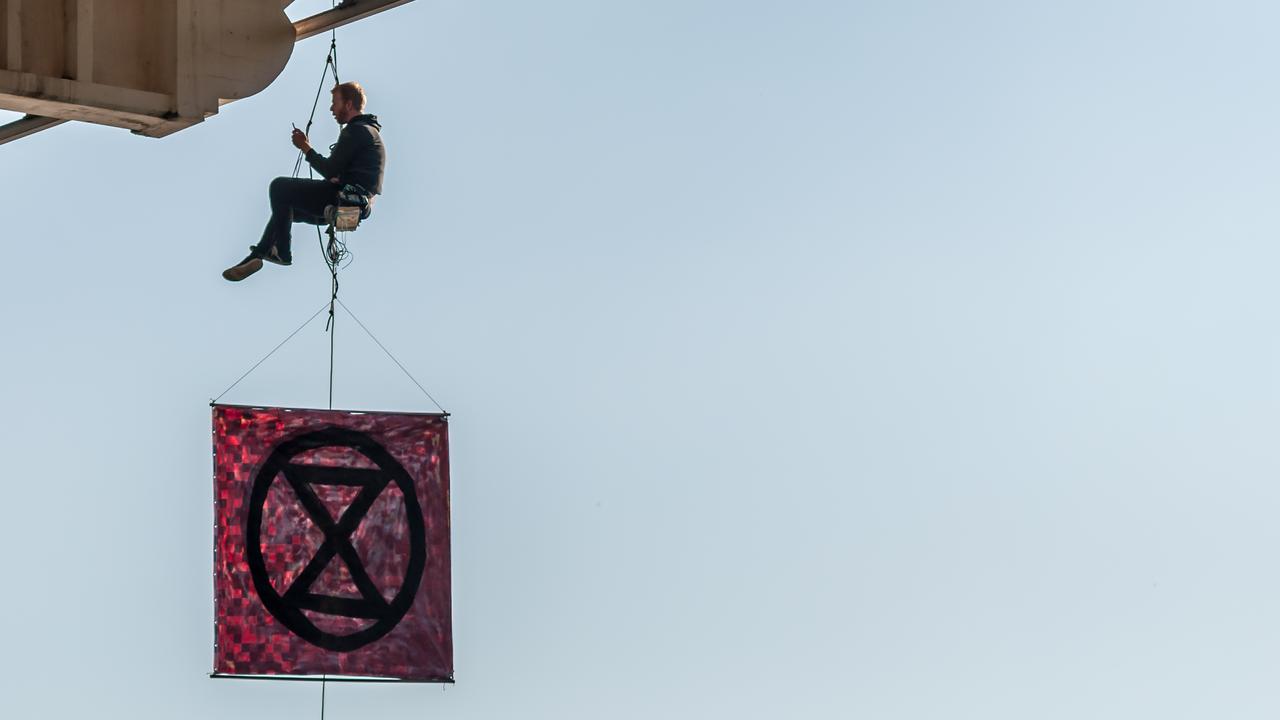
(348, 102)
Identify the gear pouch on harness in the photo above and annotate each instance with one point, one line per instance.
(354, 204)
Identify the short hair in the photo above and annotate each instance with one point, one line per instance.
(351, 92)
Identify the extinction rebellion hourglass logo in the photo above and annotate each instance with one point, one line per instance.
(295, 601)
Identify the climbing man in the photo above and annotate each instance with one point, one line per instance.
(352, 175)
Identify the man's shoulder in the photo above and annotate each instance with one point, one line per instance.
(362, 130)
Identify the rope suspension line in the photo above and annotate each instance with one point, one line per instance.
(400, 365)
(273, 352)
(330, 62)
(336, 251)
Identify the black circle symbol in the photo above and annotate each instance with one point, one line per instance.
(288, 608)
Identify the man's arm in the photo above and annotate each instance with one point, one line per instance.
(349, 143)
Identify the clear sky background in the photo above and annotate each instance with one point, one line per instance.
(815, 359)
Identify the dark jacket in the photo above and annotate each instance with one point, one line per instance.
(357, 158)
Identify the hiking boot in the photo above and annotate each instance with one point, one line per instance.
(243, 269)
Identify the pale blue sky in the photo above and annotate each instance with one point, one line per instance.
(901, 360)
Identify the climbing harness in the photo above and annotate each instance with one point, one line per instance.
(354, 204)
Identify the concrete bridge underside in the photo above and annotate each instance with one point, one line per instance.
(151, 66)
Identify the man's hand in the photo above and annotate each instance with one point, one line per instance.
(300, 141)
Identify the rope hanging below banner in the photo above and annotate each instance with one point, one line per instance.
(400, 365)
(331, 325)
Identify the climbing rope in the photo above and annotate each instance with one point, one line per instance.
(268, 355)
(336, 251)
(363, 327)
(330, 64)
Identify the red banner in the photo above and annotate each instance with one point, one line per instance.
(331, 544)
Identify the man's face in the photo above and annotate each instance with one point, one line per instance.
(342, 110)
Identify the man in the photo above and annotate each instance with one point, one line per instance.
(354, 168)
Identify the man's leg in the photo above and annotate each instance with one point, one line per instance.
(292, 200)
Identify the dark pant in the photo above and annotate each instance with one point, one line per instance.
(294, 200)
